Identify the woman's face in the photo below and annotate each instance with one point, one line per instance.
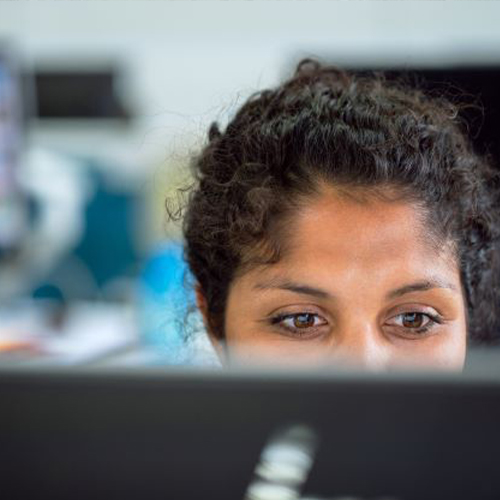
(360, 283)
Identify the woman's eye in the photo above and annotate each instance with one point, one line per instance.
(300, 323)
(415, 322)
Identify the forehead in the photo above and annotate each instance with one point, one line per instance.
(362, 229)
(356, 238)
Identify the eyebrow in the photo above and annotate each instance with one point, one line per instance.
(303, 289)
(420, 286)
(294, 287)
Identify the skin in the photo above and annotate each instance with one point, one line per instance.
(359, 281)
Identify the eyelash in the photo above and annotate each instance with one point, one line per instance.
(278, 319)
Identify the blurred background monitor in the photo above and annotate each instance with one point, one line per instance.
(78, 94)
(12, 210)
(474, 88)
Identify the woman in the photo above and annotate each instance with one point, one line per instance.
(341, 217)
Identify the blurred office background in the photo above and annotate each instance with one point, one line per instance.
(101, 105)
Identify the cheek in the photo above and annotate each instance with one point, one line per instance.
(442, 352)
(279, 353)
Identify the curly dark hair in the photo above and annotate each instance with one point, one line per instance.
(353, 131)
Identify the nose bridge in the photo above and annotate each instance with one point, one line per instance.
(361, 344)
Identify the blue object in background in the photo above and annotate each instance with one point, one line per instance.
(164, 302)
(106, 252)
(108, 244)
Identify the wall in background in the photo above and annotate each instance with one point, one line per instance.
(188, 62)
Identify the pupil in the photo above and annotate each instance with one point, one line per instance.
(413, 320)
(304, 320)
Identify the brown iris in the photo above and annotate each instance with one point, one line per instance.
(303, 320)
(413, 320)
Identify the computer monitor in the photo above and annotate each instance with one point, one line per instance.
(260, 434)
